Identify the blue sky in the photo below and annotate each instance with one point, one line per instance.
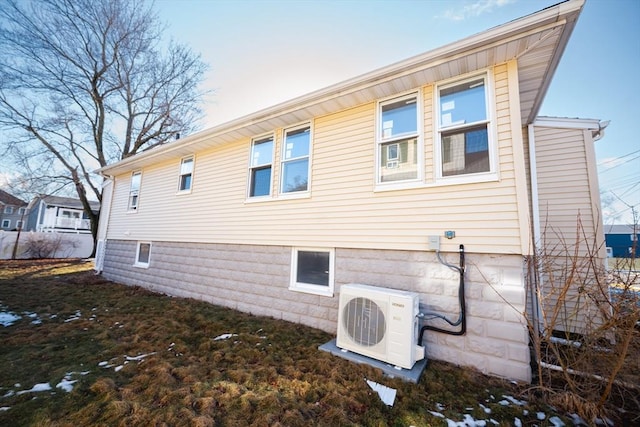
(265, 52)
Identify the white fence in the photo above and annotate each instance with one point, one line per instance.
(45, 245)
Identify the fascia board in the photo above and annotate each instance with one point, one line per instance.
(494, 35)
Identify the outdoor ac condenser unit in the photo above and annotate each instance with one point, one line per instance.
(379, 323)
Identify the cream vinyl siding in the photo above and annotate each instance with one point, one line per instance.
(342, 209)
(564, 189)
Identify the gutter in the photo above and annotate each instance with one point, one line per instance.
(545, 19)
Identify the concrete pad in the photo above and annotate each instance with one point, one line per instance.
(411, 375)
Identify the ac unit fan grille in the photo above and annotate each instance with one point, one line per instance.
(364, 321)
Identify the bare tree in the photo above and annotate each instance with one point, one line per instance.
(84, 83)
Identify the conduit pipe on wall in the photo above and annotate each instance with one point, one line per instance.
(462, 318)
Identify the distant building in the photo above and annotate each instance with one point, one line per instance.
(622, 240)
(12, 212)
(59, 214)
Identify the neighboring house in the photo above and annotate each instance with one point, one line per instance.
(58, 214)
(12, 212)
(357, 183)
(622, 240)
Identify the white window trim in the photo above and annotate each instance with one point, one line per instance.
(22, 211)
(295, 194)
(131, 209)
(180, 174)
(8, 210)
(492, 174)
(249, 197)
(7, 222)
(309, 288)
(19, 224)
(379, 140)
(137, 263)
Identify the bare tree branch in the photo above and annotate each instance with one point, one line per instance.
(84, 83)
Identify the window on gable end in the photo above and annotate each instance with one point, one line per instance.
(398, 140)
(464, 128)
(260, 166)
(134, 191)
(186, 174)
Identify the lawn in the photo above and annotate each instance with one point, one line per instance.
(78, 350)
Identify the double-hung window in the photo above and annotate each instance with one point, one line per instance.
(8, 210)
(312, 271)
(397, 136)
(260, 166)
(296, 146)
(134, 191)
(6, 223)
(464, 128)
(186, 174)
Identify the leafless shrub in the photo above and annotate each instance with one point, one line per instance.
(584, 320)
(49, 245)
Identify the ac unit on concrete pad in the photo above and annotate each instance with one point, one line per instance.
(379, 323)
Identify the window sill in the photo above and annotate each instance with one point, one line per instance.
(141, 265)
(322, 291)
(132, 211)
(394, 186)
(183, 192)
(467, 179)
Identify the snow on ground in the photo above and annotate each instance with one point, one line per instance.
(66, 384)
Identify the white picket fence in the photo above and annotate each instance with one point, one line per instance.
(46, 245)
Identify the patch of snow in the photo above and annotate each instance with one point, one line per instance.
(118, 368)
(36, 388)
(76, 316)
(541, 416)
(514, 400)
(66, 384)
(440, 407)
(135, 358)
(9, 393)
(517, 422)
(556, 421)
(494, 422)
(577, 420)
(485, 409)
(4, 408)
(436, 414)
(8, 318)
(224, 337)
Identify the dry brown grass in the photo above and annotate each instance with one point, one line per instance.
(270, 374)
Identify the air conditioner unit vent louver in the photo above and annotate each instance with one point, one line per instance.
(380, 323)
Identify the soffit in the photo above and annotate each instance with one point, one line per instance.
(535, 41)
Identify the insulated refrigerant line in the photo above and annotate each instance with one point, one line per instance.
(462, 318)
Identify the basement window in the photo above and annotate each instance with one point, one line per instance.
(312, 271)
(143, 255)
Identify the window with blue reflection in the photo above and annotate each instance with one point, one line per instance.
(463, 104)
(399, 118)
(260, 173)
(295, 160)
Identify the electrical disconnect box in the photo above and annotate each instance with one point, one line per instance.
(434, 243)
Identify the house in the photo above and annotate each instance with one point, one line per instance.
(58, 214)
(377, 180)
(12, 211)
(622, 240)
